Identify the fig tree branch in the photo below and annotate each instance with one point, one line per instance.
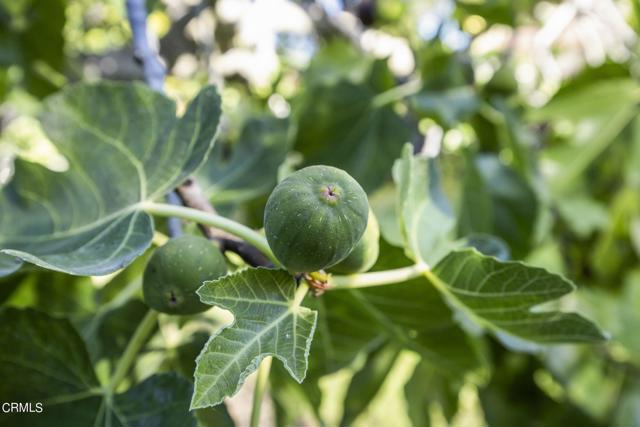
(154, 71)
(362, 280)
(192, 196)
(210, 219)
(154, 74)
(189, 193)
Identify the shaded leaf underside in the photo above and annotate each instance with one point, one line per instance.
(340, 126)
(252, 167)
(49, 363)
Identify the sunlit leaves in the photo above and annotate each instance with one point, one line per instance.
(499, 297)
(596, 113)
(368, 381)
(24, 25)
(426, 226)
(268, 322)
(125, 146)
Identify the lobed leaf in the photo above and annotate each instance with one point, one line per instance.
(425, 224)
(267, 323)
(125, 146)
(43, 359)
(498, 296)
(497, 200)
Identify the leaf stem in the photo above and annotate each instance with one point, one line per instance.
(265, 366)
(247, 234)
(258, 392)
(301, 292)
(454, 301)
(397, 93)
(133, 347)
(377, 278)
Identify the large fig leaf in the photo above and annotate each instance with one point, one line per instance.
(412, 315)
(425, 223)
(43, 360)
(125, 146)
(499, 296)
(367, 382)
(251, 168)
(340, 125)
(498, 201)
(268, 322)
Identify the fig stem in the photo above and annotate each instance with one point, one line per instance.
(397, 93)
(377, 278)
(265, 366)
(245, 233)
(145, 327)
(258, 392)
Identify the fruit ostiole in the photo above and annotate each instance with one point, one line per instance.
(314, 218)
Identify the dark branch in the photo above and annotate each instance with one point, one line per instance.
(189, 193)
(154, 71)
(193, 197)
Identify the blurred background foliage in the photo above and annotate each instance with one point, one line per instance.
(528, 110)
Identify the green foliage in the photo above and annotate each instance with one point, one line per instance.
(250, 169)
(268, 322)
(24, 24)
(498, 201)
(367, 382)
(341, 125)
(411, 314)
(53, 367)
(88, 220)
(426, 226)
(315, 217)
(500, 160)
(488, 294)
(176, 270)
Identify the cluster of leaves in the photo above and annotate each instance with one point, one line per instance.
(491, 229)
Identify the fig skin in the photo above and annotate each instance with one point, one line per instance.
(366, 252)
(176, 270)
(315, 217)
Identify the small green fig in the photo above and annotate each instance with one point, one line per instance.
(365, 254)
(176, 270)
(315, 217)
